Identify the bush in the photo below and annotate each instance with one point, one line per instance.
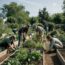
(39, 45)
(62, 37)
(12, 61)
(22, 55)
(8, 31)
(29, 44)
(36, 55)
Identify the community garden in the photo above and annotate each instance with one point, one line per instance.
(34, 50)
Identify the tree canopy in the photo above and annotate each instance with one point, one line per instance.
(15, 13)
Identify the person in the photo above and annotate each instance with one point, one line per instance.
(54, 43)
(8, 42)
(40, 33)
(22, 32)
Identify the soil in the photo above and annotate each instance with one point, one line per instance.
(63, 53)
(52, 59)
(38, 62)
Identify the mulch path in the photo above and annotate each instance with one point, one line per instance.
(51, 59)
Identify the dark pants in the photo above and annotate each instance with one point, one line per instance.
(19, 37)
(23, 38)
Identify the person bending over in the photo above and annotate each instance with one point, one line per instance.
(8, 42)
(22, 32)
(54, 43)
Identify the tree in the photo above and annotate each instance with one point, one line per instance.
(63, 8)
(11, 20)
(57, 19)
(12, 9)
(63, 19)
(43, 14)
(15, 13)
(1, 27)
(33, 20)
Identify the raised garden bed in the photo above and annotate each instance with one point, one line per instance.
(31, 53)
(31, 46)
(4, 55)
(61, 55)
(26, 58)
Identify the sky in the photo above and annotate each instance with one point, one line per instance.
(33, 6)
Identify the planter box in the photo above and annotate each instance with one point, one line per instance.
(4, 56)
(61, 55)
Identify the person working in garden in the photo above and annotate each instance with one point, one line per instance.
(40, 33)
(54, 43)
(22, 33)
(7, 43)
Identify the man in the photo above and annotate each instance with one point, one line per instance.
(8, 42)
(54, 43)
(22, 32)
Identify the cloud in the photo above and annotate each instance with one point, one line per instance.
(54, 4)
(32, 3)
(33, 6)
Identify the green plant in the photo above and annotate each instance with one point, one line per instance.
(29, 44)
(62, 37)
(8, 31)
(36, 55)
(22, 54)
(12, 61)
(39, 45)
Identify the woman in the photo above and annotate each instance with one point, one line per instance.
(8, 42)
(54, 43)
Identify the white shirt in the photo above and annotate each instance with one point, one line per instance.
(56, 42)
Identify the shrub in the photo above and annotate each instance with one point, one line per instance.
(22, 55)
(39, 45)
(62, 37)
(12, 61)
(29, 44)
(8, 31)
(36, 55)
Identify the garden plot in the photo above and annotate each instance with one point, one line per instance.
(23, 57)
(35, 47)
(26, 55)
(4, 55)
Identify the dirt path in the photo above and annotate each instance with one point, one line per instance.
(52, 59)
